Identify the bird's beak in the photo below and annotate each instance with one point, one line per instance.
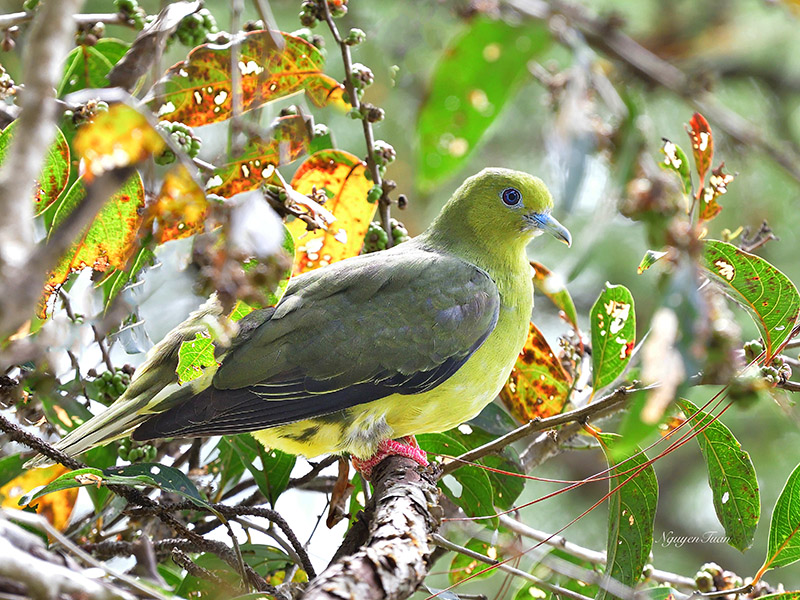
(549, 224)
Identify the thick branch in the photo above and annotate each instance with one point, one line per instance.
(51, 38)
(395, 559)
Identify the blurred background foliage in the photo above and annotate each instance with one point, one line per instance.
(578, 119)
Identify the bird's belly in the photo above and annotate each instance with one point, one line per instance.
(359, 429)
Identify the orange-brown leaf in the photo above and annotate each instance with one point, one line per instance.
(117, 138)
(702, 144)
(55, 507)
(181, 207)
(197, 91)
(538, 385)
(342, 177)
(289, 140)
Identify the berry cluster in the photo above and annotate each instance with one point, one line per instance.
(109, 385)
(376, 238)
(195, 29)
(313, 11)
(183, 136)
(126, 450)
(132, 13)
(86, 112)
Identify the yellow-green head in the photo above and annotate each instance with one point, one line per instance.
(497, 211)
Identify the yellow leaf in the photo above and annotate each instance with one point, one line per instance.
(55, 507)
(117, 138)
(342, 178)
(181, 207)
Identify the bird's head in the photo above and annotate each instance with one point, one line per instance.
(503, 207)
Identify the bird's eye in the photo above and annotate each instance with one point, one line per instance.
(511, 196)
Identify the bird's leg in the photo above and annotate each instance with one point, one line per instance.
(406, 446)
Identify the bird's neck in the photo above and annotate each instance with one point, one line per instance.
(504, 260)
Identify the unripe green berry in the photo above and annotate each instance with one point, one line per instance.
(355, 37)
(374, 194)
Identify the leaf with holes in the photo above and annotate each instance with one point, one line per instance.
(56, 508)
(55, 172)
(632, 511)
(717, 186)
(197, 91)
(463, 566)
(702, 144)
(115, 138)
(613, 320)
(89, 66)
(731, 477)
(783, 547)
(342, 178)
(477, 75)
(194, 356)
(108, 242)
(272, 475)
(675, 159)
(538, 385)
(287, 141)
(553, 286)
(763, 291)
(180, 209)
(475, 495)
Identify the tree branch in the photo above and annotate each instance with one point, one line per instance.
(53, 31)
(650, 67)
(395, 559)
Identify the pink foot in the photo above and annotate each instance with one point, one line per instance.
(406, 446)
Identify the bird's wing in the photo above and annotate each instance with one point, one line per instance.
(400, 321)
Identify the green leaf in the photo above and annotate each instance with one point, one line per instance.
(88, 66)
(632, 511)
(55, 172)
(108, 242)
(784, 529)
(463, 566)
(197, 91)
(476, 495)
(264, 559)
(152, 475)
(506, 488)
(227, 466)
(478, 73)
(731, 477)
(272, 475)
(613, 320)
(194, 356)
(116, 281)
(675, 159)
(762, 290)
(781, 596)
(649, 259)
(10, 468)
(552, 286)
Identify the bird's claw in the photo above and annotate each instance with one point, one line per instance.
(406, 447)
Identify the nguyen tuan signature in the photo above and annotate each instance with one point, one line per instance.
(669, 538)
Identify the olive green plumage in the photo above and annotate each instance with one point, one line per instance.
(418, 338)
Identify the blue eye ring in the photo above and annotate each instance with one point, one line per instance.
(511, 196)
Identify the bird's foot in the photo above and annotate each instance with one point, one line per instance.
(406, 446)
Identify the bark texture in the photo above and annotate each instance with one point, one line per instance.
(403, 513)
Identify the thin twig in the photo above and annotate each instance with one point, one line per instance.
(448, 545)
(592, 556)
(369, 137)
(617, 397)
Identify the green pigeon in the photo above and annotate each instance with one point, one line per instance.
(360, 355)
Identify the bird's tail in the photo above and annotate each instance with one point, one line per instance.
(154, 387)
